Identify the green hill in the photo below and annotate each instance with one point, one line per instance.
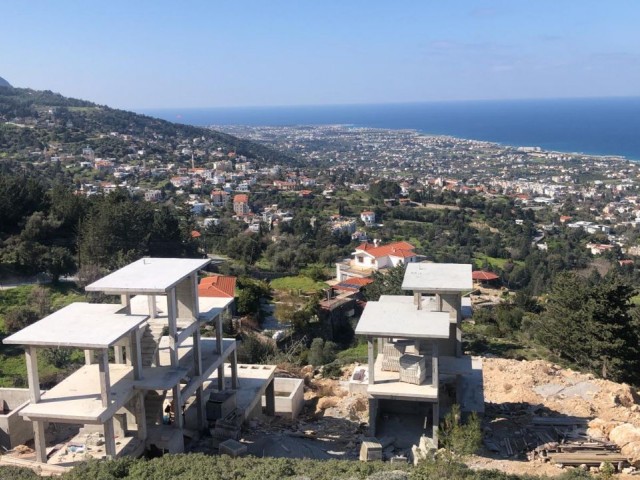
(71, 124)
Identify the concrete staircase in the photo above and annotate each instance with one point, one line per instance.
(149, 342)
(153, 403)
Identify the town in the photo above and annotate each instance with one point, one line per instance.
(178, 289)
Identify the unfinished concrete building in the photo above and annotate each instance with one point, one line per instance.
(416, 366)
(148, 372)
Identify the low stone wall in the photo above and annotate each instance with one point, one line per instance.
(14, 430)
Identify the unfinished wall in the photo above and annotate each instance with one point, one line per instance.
(14, 430)
(289, 396)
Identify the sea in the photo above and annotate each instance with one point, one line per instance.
(596, 126)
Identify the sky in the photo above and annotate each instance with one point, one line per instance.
(137, 54)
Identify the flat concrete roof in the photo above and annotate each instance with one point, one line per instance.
(390, 318)
(77, 398)
(428, 302)
(148, 275)
(389, 386)
(438, 277)
(82, 325)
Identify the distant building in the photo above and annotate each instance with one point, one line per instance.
(241, 204)
(219, 198)
(153, 195)
(369, 257)
(368, 217)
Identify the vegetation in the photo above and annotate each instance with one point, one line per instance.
(191, 466)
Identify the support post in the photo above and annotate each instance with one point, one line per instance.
(134, 353)
(436, 421)
(270, 398)
(88, 357)
(141, 417)
(153, 309)
(221, 377)
(105, 381)
(417, 300)
(219, 345)
(31, 354)
(234, 370)
(434, 364)
(372, 361)
(197, 366)
(109, 439)
(39, 441)
(373, 416)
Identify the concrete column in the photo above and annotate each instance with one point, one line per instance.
(153, 308)
(141, 417)
(105, 381)
(434, 364)
(125, 300)
(109, 439)
(372, 361)
(177, 407)
(120, 424)
(197, 365)
(88, 357)
(380, 344)
(417, 300)
(173, 327)
(436, 422)
(31, 354)
(134, 353)
(39, 441)
(186, 299)
(270, 398)
(219, 345)
(234, 370)
(373, 416)
(221, 377)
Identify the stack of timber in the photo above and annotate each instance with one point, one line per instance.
(574, 446)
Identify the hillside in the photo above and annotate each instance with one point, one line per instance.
(32, 120)
(4, 83)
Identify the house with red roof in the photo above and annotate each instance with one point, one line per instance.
(369, 257)
(221, 287)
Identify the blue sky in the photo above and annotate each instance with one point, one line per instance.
(146, 54)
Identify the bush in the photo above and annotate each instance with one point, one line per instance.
(19, 317)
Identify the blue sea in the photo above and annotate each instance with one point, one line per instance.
(598, 126)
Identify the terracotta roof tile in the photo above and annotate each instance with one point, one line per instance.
(217, 286)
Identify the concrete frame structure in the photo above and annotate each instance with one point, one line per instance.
(427, 326)
(150, 368)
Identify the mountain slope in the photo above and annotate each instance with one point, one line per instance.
(54, 119)
(4, 83)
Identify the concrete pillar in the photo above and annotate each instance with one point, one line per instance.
(39, 441)
(219, 344)
(372, 361)
(88, 357)
(436, 422)
(434, 364)
(270, 395)
(153, 308)
(417, 300)
(186, 299)
(373, 416)
(197, 365)
(134, 353)
(109, 439)
(234, 370)
(141, 417)
(221, 377)
(120, 424)
(105, 381)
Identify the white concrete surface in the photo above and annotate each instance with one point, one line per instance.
(389, 386)
(148, 275)
(14, 430)
(400, 318)
(289, 396)
(438, 277)
(209, 307)
(82, 325)
(77, 399)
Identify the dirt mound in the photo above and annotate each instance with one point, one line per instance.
(564, 391)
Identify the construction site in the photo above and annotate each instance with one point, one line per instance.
(153, 384)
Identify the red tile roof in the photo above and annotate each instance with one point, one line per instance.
(217, 286)
(482, 275)
(241, 198)
(395, 249)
